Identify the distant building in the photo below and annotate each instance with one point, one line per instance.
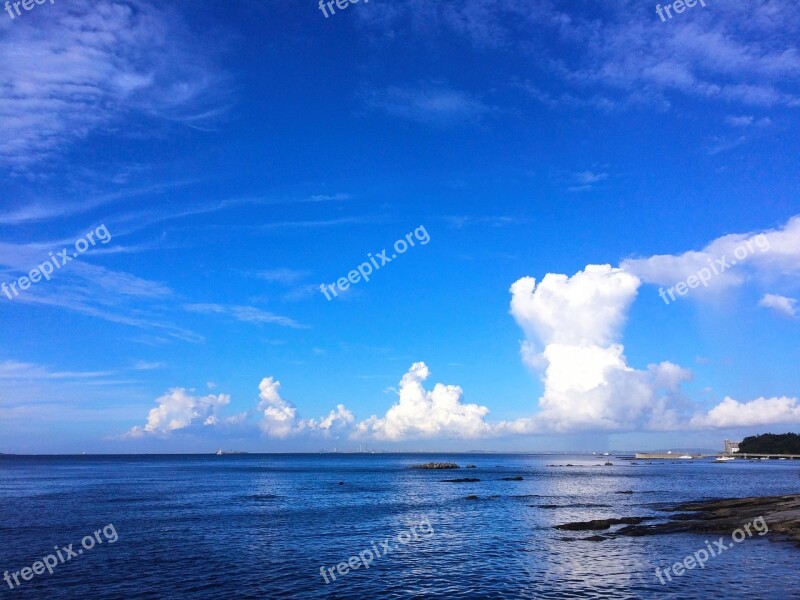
(731, 447)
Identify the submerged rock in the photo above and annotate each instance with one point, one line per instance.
(437, 465)
(591, 538)
(599, 524)
(515, 478)
(462, 480)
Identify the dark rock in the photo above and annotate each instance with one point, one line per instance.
(462, 480)
(781, 515)
(470, 467)
(515, 478)
(624, 492)
(472, 497)
(437, 465)
(599, 524)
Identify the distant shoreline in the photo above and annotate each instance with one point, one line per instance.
(355, 453)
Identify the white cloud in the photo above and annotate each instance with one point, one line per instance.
(762, 411)
(731, 260)
(586, 309)
(420, 413)
(179, 409)
(280, 416)
(572, 327)
(587, 381)
(780, 304)
(336, 419)
(281, 420)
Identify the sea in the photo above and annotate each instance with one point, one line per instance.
(371, 526)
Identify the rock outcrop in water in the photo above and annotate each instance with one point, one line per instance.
(437, 465)
(780, 513)
(600, 524)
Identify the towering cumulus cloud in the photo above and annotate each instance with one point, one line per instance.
(281, 419)
(572, 326)
(420, 413)
(280, 416)
(179, 409)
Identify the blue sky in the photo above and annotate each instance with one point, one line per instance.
(566, 162)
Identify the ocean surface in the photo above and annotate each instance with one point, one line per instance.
(263, 526)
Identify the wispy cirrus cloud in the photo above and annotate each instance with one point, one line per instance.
(621, 55)
(585, 181)
(247, 314)
(41, 210)
(84, 287)
(430, 104)
(82, 66)
(283, 276)
(16, 370)
(461, 221)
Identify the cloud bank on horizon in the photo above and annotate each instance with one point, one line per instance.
(572, 327)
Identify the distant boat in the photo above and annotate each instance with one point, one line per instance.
(724, 458)
(686, 457)
(606, 454)
(764, 458)
(219, 452)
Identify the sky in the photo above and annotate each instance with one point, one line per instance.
(589, 212)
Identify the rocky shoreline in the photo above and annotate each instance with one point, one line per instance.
(781, 513)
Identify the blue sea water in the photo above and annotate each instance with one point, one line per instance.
(262, 526)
